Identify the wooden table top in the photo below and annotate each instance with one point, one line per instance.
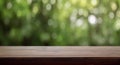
(59, 51)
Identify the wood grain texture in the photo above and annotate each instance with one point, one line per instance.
(59, 51)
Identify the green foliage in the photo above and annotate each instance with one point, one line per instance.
(60, 22)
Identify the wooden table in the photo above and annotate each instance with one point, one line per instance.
(59, 55)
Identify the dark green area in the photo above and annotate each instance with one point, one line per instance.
(60, 22)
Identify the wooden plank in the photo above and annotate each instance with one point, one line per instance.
(59, 51)
(59, 55)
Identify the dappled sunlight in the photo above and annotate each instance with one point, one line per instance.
(9, 5)
(94, 2)
(117, 25)
(92, 19)
(35, 9)
(79, 22)
(59, 22)
(113, 6)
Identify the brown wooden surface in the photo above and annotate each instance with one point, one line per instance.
(59, 51)
(56, 55)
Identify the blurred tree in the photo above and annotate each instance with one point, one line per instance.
(59, 22)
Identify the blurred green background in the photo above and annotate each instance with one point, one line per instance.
(59, 22)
